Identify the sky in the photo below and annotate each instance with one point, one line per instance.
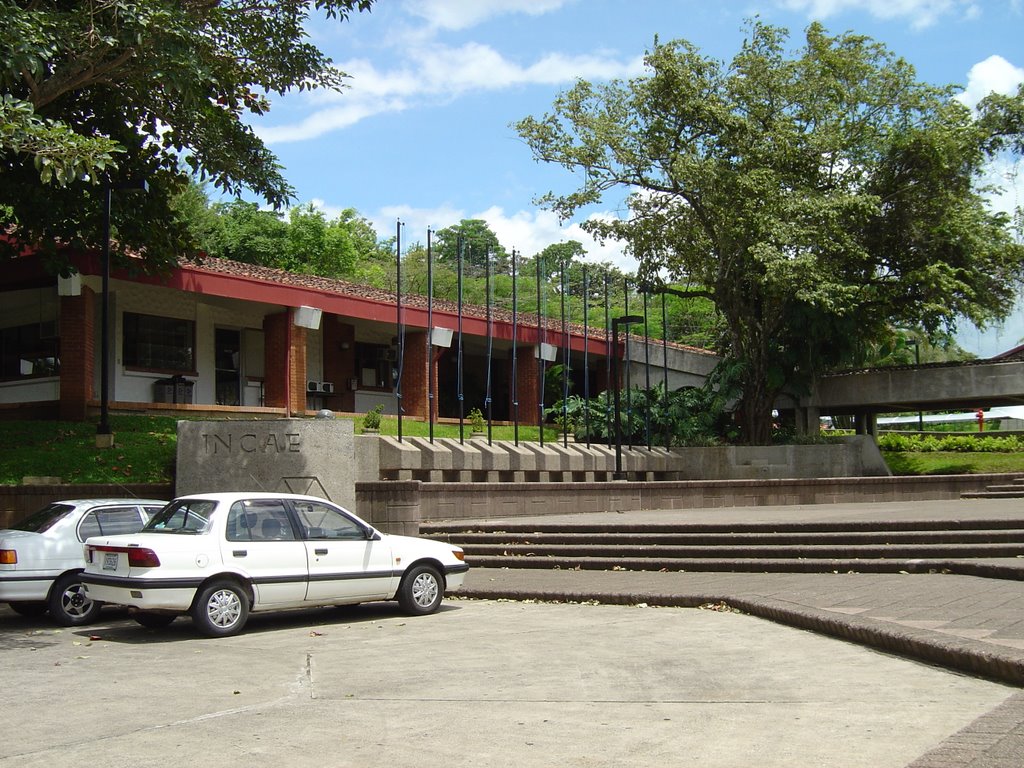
(424, 132)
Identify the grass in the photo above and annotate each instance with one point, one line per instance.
(145, 450)
(953, 462)
(145, 447)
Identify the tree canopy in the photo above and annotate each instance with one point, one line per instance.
(102, 92)
(817, 197)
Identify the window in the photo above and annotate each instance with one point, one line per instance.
(259, 520)
(375, 365)
(159, 343)
(192, 517)
(109, 522)
(29, 351)
(320, 521)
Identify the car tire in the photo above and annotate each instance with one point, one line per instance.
(421, 591)
(29, 610)
(151, 620)
(69, 603)
(221, 609)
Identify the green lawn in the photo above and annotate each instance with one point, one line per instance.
(145, 450)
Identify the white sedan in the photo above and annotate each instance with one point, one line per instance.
(220, 556)
(41, 557)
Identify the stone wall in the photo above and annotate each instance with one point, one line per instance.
(399, 507)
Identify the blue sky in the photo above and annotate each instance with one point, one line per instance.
(424, 132)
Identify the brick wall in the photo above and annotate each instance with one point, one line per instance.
(77, 354)
(285, 363)
(527, 373)
(415, 374)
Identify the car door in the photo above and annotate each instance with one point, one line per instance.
(261, 542)
(344, 565)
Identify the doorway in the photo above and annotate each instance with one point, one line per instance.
(227, 344)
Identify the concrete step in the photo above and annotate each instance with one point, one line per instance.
(1009, 494)
(763, 552)
(878, 546)
(756, 565)
(683, 539)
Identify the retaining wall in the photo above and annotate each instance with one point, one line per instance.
(399, 507)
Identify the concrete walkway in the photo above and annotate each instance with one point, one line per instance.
(962, 622)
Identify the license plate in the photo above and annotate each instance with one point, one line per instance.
(110, 561)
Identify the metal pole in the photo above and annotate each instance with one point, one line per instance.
(540, 360)
(586, 358)
(103, 428)
(647, 375)
(629, 366)
(615, 389)
(664, 361)
(398, 321)
(515, 353)
(462, 410)
(490, 342)
(565, 362)
(431, 363)
(607, 357)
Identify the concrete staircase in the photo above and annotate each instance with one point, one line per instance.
(1013, 490)
(978, 547)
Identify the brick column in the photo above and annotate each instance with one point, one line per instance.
(527, 373)
(285, 363)
(415, 375)
(340, 362)
(77, 354)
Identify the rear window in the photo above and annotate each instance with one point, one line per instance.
(44, 519)
(189, 517)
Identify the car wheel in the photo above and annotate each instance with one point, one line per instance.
(221, 610)
(70, 605)
(29, 609)
(421, 591)
(153, 620)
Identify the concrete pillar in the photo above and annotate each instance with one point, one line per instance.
(77, 354)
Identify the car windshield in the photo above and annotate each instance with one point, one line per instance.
(192, 516)
(44, 519)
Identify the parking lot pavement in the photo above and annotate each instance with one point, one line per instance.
(486, 682)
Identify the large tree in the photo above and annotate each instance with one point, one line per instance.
(478, 241)
(104, 92)
(817, 197)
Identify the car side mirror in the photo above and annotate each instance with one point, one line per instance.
(372, 535)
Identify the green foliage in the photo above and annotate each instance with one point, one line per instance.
(476, 240)
(371, 419)
(815, 198)
(951, 443)
(109, 91)
(144, 450)
(476, 421)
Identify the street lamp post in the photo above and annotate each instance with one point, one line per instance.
(616, 322)
(104, 436)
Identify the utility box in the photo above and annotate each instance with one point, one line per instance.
(176, 389)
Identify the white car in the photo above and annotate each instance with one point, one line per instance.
(42, 557)
(220, 556)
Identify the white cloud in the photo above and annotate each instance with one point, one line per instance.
(922, 13)
(994, 74)
(438, 74)
(527, 231)
(462, 14)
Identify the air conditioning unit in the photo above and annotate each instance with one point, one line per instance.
(313, 386)
(390, 354)
(327, 387)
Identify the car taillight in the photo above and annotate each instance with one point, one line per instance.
(8, 557)
(139, 557)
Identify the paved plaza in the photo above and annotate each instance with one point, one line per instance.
(542, 668)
